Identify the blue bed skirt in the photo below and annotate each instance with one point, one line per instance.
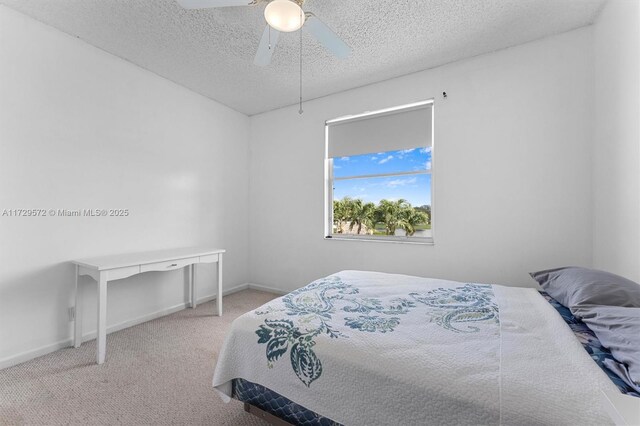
(276, 404)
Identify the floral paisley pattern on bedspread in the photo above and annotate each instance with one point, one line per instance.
(337, 309)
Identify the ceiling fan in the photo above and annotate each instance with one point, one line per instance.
(281, 16)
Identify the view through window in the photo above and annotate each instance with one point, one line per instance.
(384, 193)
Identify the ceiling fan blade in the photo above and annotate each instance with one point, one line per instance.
(326, 36)
(203, 4)
(265, 49)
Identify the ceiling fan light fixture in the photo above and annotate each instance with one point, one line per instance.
(284, 15)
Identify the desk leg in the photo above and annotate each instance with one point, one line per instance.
(194, 292)
(102, 319)
(220, 284)
(77, 314)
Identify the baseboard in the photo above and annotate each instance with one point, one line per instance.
(266, 288)
(25, 356)
(12, 360)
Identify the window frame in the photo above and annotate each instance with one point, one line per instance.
(329, 179)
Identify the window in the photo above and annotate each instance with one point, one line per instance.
(378, 175)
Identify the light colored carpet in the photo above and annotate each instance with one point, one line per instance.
(156, 373)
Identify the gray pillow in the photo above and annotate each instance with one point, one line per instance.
(574, 286)
(619, 330)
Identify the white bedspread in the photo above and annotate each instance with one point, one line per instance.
(365, 348)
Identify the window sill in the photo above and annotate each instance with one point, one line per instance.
(393, 240)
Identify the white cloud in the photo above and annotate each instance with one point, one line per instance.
(384, 160)
(407, 151)
(344, 158)
(374, 158)
(335, 166)
(425, 150)
(401, 182)
(423, 166)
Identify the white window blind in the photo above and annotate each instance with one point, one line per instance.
(380, 132)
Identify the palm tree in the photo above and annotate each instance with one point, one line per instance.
(341, 210)
(361, 213)
(413, 217)
(392, 214)
(426, 209)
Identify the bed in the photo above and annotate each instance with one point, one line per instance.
(358, 348)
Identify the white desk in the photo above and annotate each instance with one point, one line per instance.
(108, 268)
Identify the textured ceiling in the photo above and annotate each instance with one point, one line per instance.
(211, 51)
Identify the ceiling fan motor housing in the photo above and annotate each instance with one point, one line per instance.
(285, 15)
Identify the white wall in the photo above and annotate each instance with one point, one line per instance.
(512, 171)
(617, 139)
(80, 128)
(514, 163)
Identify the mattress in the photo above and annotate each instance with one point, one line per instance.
(369, 348)
(276, 404)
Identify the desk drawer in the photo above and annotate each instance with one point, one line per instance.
(209, 258)
(169, 265)
(120, 273)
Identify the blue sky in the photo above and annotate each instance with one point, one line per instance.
(414, 188)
